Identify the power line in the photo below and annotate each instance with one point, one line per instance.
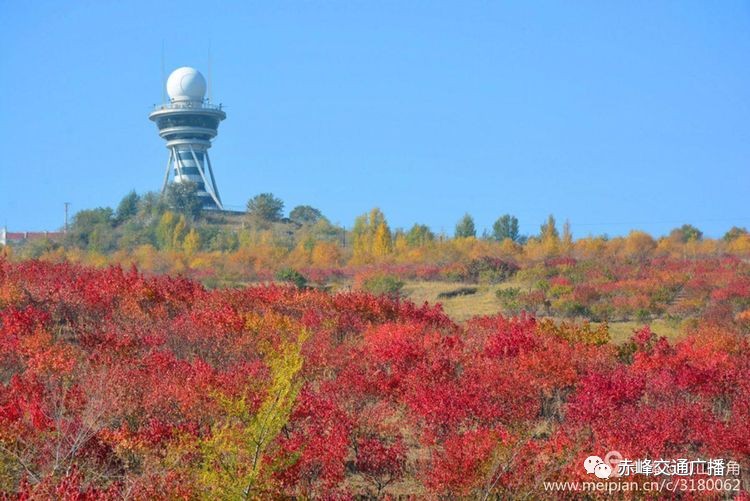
(682, 221)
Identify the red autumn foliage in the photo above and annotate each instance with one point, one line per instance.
(109, 383)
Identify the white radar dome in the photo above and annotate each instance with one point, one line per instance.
(186, 84)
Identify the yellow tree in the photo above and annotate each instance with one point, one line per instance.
(178, 233)
(192, 242)
(549, 237)
(361, 240)
(400, 244)
(639, 245)
(164, 230)
(300, 256)
(233, 466)
(590, 247)
(740, 245)
(382, 244)
(326, 255)
(566, 243)
(548, 230)
(365, 237)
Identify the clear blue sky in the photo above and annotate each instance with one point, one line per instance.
(614, 115)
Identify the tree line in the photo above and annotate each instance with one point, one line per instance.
(171, 233)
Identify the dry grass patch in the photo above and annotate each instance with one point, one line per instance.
(459, 308)
(620, 332)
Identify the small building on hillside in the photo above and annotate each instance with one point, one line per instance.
(20, 237)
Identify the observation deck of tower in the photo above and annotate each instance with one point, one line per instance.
(188, 122)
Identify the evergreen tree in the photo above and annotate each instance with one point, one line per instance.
(465, 227)
(418, 235)
(506, 226)
(127, 208)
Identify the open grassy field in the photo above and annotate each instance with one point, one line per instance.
(460, 308)
(621, 331)
(484, 302)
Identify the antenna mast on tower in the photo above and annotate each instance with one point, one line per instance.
(163, 75)
(208, 90)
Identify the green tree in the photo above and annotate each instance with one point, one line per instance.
(324, 230)
(734, 233)
(33, 249)
(102, 239)
(305, 214)
(133, 233)
(152, 205)
(127, 208)
(225, 240)
(465, 227)
(509, 300)
(506, 226)
(419, 235)
(265, 207)
(91, 226)
(686, 233)
(380, 284)
(292, 276)
(183, 198)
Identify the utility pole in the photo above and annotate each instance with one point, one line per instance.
(67, 204)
